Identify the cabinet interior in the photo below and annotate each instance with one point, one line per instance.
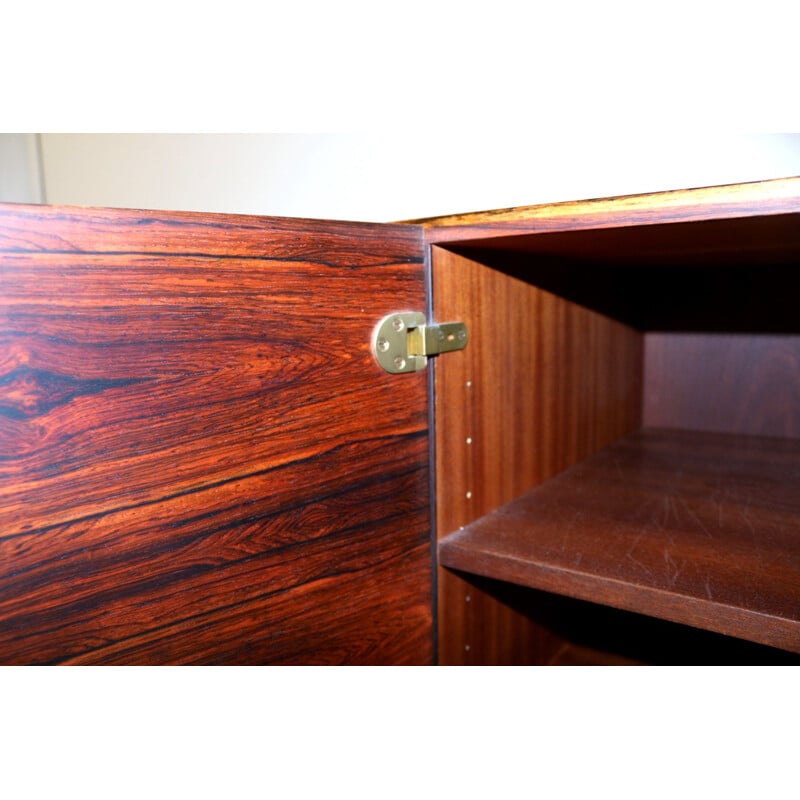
(676, 343)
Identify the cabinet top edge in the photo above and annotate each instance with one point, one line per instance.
(228, 218)
(779, 195)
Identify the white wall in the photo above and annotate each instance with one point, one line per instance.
(395, 176)
(20, 175)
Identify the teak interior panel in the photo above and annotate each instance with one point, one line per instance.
(201, 461)
(541, 385)
(696, 528)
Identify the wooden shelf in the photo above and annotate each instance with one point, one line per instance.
(697, 528)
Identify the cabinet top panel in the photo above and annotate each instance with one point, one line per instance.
(719, 260)
(778, 196)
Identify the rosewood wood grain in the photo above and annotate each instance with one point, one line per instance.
(747, 384)
(697, 528)
(200, 461)
(763, 198)
(542, 384)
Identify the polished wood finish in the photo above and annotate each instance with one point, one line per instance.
(747, 200)
(542, 384)
(722, 382)
(701, 529)
(201, 461)
(702, 266)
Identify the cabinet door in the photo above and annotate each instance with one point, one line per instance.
(200, 461)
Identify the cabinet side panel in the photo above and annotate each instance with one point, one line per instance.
(200, 461)
(542, 384)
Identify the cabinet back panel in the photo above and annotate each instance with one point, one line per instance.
(736, 383)
(200, 460)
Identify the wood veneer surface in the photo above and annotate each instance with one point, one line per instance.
(748, 384)
(697, 528)
(763, 198)
(542, 384)
(201, 462)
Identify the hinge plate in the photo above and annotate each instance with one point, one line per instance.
(402, 342)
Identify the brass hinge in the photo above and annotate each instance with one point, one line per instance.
(403, 342)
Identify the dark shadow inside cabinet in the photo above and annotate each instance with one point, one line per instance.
(677, 541)
(574, 632)
(726, 276)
